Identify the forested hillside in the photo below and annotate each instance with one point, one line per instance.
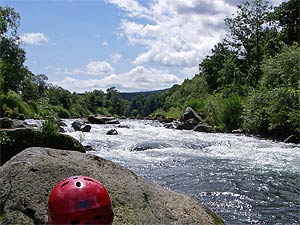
(251, 79)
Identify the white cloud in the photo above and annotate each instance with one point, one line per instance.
(176, 33)
(104, 44)
(34, 38)
(137, 79)
(102, 68)
(115, 57)
(99, 68)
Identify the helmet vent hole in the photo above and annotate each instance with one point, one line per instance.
(75, 222)
(64, 184)
(97, 217)
(89, 179)
(78, 184)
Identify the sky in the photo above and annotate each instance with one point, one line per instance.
(132, 45)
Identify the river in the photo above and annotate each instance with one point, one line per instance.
(245, 180)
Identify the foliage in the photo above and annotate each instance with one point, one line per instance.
(274, 108)
(4, 138)
(273, 112)
(12, 105)
(288, 18)
(49, 126)
(283, 69)
(230, 113)
(12, 57)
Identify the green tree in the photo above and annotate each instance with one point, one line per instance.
(114, 102)
(247, 36)
(212, 65)
(288, 17)
(12, 57)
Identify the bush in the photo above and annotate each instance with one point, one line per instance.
(283, 69)
(230, 113)
(49, 127)
(61, 112)
(273, 112)
(12, 105)
(196, 104)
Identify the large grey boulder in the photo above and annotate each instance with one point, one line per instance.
(27, 179)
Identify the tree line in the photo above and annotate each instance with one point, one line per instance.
(250, 80)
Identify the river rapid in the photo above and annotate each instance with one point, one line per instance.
(245, 180)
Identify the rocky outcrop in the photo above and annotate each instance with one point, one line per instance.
(99, 119)
(191, 114)
(16, 140)
(193, 121)
(27, 179)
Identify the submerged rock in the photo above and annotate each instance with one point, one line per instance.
(27, 179)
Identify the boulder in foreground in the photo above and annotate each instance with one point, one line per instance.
(27, 179)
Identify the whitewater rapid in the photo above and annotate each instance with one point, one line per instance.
(245, 180)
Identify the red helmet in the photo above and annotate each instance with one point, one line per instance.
(79, 200)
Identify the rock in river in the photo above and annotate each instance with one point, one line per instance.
(27, 179)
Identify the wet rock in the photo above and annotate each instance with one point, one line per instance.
(27, 179)
(147, 146)
(80, 125)
(187, 125)
(86, 128)
(88, 148)
(8, 123)
(76, 125)
(112, 132)
(99, 119)
(61, 123)
(292, 139)
(204, 128)
(172, 125)
(123, 126)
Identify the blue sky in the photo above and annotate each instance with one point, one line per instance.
(133, 45)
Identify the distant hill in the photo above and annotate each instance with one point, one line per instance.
(129, 95)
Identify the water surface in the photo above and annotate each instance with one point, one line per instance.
(245, 180)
